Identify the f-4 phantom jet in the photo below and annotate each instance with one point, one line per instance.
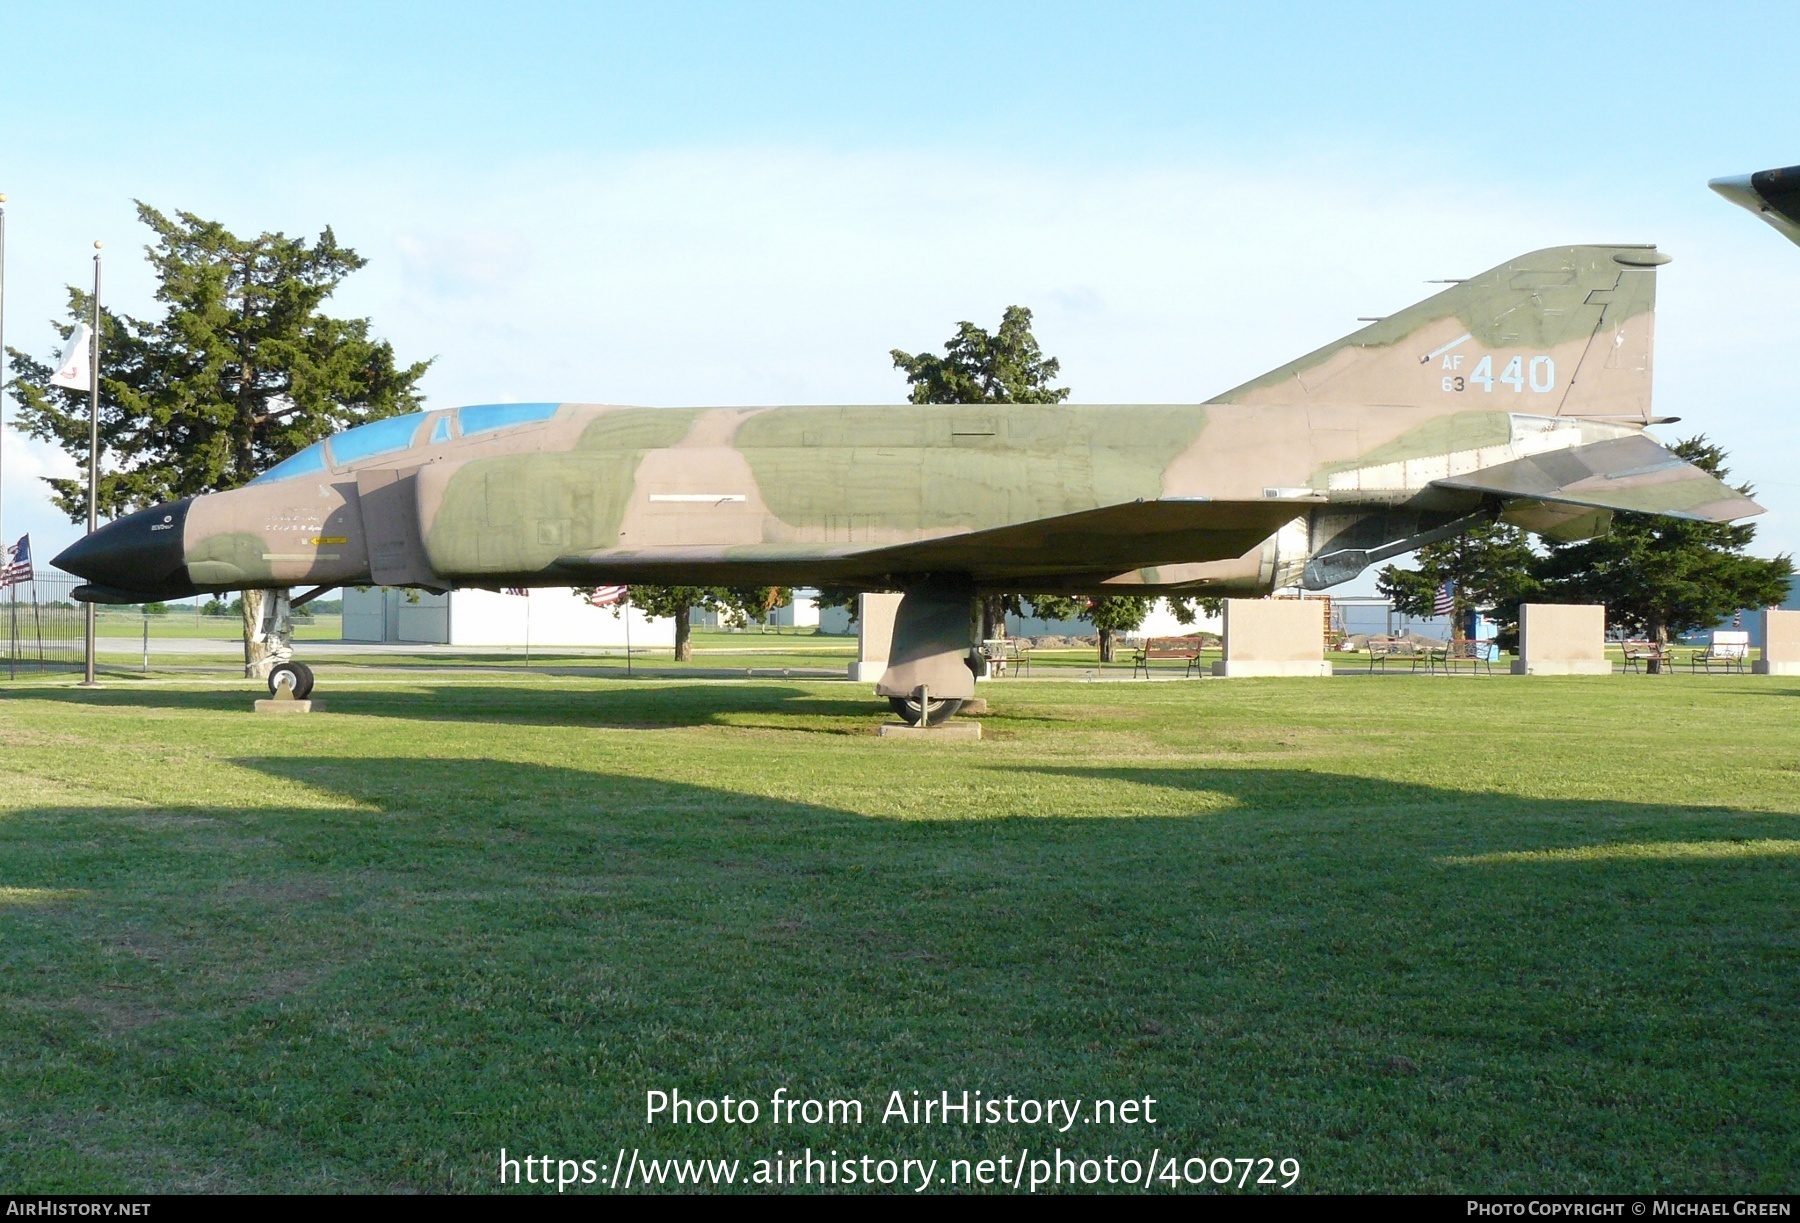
(1521, 394)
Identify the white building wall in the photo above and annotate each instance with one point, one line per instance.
(549, 617)
(365, 613)
(802, 612)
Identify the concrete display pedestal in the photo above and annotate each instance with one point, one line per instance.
(1273, 637)
(1568, 667)
(1781, 643)
(1251, 668)
(1562, 639)
(289, 705)
(874, 636)
(950, 731)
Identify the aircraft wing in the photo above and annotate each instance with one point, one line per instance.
(1111, 540)
(1625, 473)
(1103, 542)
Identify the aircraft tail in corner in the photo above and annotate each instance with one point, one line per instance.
(1566, 331)
(1773, 195)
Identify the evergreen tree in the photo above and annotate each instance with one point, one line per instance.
(1660, 576)
(1490, 568)
(242, 370)
(1005, 367)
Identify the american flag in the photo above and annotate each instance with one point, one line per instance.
(17, 565)
(516, 590)
(606, 596)
(1446, 600)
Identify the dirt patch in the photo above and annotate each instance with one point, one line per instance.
(118, 1010)
(287, 891)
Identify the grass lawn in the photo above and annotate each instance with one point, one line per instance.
(1418, 934)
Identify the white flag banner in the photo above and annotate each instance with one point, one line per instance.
(72, 370)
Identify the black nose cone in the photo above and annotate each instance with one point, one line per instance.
(141, 553)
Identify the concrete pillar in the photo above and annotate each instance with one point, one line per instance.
(1274, 637)
(1781, 643)
(874, 636)
(1562, 639)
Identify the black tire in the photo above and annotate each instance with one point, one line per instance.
(298, 675)
(940, 712)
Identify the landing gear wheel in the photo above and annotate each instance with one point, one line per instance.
(293, 675)
(936, 713)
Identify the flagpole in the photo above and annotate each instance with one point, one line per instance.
(2, 359)
(93, 524)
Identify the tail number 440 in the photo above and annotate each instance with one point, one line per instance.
(1539, 375)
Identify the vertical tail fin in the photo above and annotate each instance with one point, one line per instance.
(1566, 331)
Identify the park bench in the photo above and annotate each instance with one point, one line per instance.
(1018, 655)
(1003, 653)
(1730, 648)
(994, 653)
(1645, 657)
(1186, 648)
(1383, 650)
(1462, 651)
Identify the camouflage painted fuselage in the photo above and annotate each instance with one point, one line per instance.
(1522, 392)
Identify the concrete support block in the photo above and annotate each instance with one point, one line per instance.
(874, 636)
(1562, 639)
(1781, 643)
(1575, 666)
(950, 732)
(1247, 668)
(1265, 637)
(289, 705)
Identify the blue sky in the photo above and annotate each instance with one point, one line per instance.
(752, 203)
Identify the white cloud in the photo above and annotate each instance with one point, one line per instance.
(474, 263)
(24, 508)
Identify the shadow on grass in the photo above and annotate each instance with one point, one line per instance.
(371, 983)
(1303, 792)
(643, 705)
(631, 705)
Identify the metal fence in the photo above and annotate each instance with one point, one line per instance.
(40, 626)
